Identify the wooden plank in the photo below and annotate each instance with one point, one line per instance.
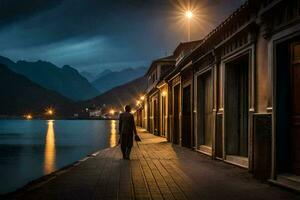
(103, 181)
(139, 186)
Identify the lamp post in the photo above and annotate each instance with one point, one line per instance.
(189, 16)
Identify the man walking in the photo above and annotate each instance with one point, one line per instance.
(126, 130)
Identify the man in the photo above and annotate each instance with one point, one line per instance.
(126, 130)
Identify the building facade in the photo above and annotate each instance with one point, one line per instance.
(156, 96)
(235, 95)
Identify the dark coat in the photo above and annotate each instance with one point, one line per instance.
(126, 128)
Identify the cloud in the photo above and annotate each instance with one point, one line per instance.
(98, 34)
(15, 10)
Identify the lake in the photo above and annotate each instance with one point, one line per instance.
(30, 149)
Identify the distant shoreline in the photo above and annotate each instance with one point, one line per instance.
(56, 118)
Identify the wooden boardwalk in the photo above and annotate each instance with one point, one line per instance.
(157, 170)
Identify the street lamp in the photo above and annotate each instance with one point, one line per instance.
(138, 102)
(49, 111)
(112, 111)
(189, 15)
(28, 116)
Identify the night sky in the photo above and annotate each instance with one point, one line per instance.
(94, 35)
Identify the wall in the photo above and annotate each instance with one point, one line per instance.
(262, 87)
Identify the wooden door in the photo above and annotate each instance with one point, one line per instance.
(163, 114)
(207, 110)
(237, 107)
(232, 109)
(295, 108)
(186, 117)
(151, 124)
(243, 108)
(176, 115)
(156, 117)
(204, 110)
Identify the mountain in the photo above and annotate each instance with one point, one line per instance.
(109, 80)
(92, 76)
(104, 73)
(66, 80)
(121, 95)
(89, 76)
(19, 95)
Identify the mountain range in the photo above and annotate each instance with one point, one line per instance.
(92, 76)
(120, 95)
(30, 87)
(66, 80)
(109, 79)
(20, 95)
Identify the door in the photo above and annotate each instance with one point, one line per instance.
(204, 110)
(237, 107)
(156, 117)
(295, 108)
(151, 124)
(186, 117)
(163, 115)
(176, 115)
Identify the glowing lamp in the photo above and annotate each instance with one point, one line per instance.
(50, 112)
(189, 14)
(112, 111)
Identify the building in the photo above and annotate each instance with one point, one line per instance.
(95, 113)
(235, 94)
(156, 96)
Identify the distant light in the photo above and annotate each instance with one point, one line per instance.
(112, 112)
(29, 116)
(138, 102)
(133, 111)
(189, 14)
(142, 98)
(49, 111)
(164, 93)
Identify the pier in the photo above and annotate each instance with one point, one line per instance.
(157, 170)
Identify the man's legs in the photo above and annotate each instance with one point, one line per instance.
(129, 145)
(123, 149)
(126, 144)
(123, 146)
(128, 150)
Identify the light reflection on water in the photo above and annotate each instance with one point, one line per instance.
(30, 149)
(113, 134)
(50, 152)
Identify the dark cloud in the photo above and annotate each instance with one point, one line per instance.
(14, 10)
(96, 34)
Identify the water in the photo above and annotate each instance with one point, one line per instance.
(30, 149)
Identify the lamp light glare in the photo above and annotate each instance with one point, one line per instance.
(112, 112)
(189, 14)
